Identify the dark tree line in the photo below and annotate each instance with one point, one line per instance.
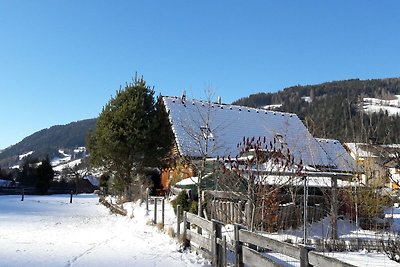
(33, 174)
(336, 109)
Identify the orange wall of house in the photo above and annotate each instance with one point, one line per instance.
(174, 175)
(165, 179)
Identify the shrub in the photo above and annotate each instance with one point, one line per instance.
(182, 200)
(193, 207)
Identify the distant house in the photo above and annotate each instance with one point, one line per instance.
(379, 164)
(205, 129)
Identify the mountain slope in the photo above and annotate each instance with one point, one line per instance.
(49, 141)
(336, 109)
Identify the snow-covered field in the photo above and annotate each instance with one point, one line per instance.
(49, 231)
(371, 105)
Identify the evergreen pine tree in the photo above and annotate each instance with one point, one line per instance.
(129, 135)
(44, 176)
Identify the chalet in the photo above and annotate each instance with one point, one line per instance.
(379, 164)
(212, 132)
(204, 129)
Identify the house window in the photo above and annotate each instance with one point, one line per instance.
(207, 134)
(280, 138)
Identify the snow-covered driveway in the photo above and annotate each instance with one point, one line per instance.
(49, 231)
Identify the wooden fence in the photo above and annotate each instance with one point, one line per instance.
(249, 248)
(288, 216)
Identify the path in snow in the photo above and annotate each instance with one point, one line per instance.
(48, 231)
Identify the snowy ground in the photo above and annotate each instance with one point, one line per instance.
(49, 231)
(372, 105)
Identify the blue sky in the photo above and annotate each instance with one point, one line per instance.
(61, 61)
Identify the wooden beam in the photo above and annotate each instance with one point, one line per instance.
(272, 244)
(253, 258)
(201, 222)
(316, 259)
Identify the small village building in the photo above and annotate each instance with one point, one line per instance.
(379, 164)
(207, 131)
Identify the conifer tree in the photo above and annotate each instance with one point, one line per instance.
(44, 176)
(129, 134)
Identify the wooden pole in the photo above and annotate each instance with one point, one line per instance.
(70, 198)
(305, 204)
(223, 252)
(23, 194)
(216, 248)
(147, 199)
(155, 210)
(178, 219)
(163, 212)
(238, 248)
(334, 208)
(186, 225)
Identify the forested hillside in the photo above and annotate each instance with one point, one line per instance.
(335, 109)
(48, 141)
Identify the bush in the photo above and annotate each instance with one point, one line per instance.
(193, 207)
(183, 200)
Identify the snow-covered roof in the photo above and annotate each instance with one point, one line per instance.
(338, 154)
(224, 126)
(358, 150)
(188, 181)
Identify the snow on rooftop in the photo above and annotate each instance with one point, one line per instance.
(338, 154)
(357, 150)
(189, 181)
(224, 126)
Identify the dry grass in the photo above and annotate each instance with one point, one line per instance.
(160, 226)
(171, 232)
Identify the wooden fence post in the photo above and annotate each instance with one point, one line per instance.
(186, 225)
(248, 215)
(178, 219)
(141, 195)
(23, 194)
(223, 252)
(216, 248)
(238, 247)
(155, 211)
(163, 212)
(70, 198)
(147, 199)
(304, 255)
(232, 211)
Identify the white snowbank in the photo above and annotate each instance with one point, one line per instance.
(49, 231)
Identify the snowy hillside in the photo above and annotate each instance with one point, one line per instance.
(392, 106)
(272, 107)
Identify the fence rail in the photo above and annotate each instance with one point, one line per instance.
(249, 248)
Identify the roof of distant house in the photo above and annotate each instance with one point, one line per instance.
(338, 154)
(224, 126)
